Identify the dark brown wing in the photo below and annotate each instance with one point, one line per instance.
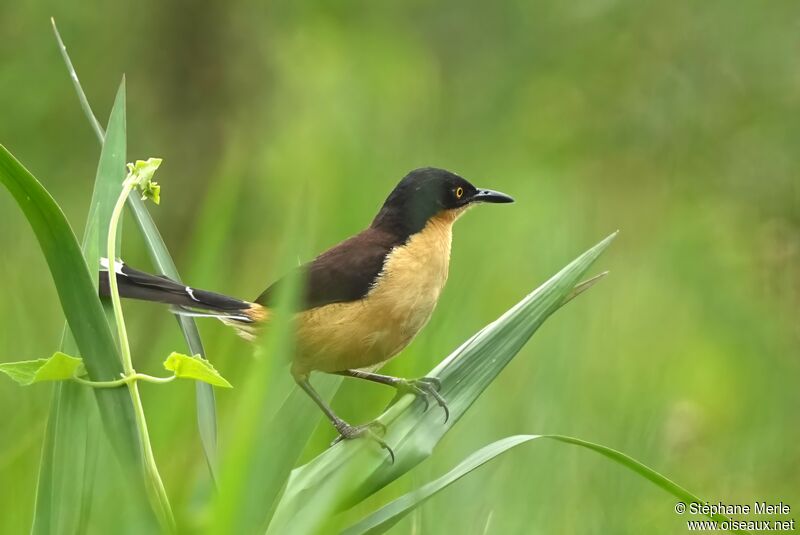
(343, 273)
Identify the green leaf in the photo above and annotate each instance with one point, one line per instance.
(187, 367)
(76, 292)
(59, 367)
(107, 186)
(352, 470)
(23, 372)
(387, 516)
(81, 305)
(69, 459)
(72, 444)
(159, 255)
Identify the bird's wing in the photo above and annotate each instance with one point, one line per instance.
(343, 273)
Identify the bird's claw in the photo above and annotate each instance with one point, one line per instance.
(349, 432)
(433, 381)
(425, 387)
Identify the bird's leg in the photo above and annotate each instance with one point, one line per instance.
(423, 387)
(346, 431)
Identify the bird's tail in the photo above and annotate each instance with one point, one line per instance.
(185, 300)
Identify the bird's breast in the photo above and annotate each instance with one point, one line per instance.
(371, 330)
(413, 277)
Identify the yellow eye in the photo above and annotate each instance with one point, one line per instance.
(459, 192)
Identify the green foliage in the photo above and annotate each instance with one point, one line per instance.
(78, 296)
(142, 172)
(59, 367)
(352, 472)
(157, 250)
(387, 516)
(81, 305)
(681, 133)
(72, 446)
(186, 367)
(154, 484)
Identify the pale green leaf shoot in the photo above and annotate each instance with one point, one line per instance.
(187, 367)
(59, 367)
(141, 173)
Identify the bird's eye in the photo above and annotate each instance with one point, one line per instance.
(459, 192)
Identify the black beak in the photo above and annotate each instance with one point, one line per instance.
(487, 195)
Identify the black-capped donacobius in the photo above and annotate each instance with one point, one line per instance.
(363, 300)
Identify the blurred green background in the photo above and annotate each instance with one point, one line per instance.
(675, 122)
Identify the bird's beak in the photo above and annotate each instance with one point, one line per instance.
(487, 195)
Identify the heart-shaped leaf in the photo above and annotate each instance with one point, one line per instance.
(59, 367)
(186, 367)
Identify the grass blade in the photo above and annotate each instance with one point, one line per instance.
(68, 462)
(69, 457)
(107, 184)
(82, 308)
(159, 255)
(469, 370)
(352, 470)
(78, 297)
(387, 516)
(98, 130)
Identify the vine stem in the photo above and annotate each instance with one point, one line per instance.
(124, 380)
(155, 486)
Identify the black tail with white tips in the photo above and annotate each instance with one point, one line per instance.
(135, 284)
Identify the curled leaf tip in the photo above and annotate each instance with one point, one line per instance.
(151, 191)
(141, 173)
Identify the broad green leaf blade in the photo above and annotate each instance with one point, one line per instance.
(59, 367)
(187, 367)
(352, 470)
(159, 255)
(66, 473)
(69, 461)
(75, 289)
(387, 516)
(80, 303)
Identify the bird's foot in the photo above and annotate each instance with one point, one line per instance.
(349, 432)
(425, 387)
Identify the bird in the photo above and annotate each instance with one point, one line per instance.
(362, 301)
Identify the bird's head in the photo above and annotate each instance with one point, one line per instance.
(429, 192)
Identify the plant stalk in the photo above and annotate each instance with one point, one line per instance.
(157, 492)
(124, 380)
